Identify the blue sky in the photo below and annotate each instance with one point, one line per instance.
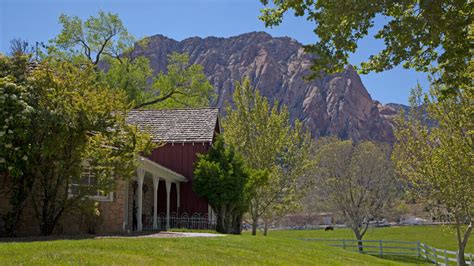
(37, 20)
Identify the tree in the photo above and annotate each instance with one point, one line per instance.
(269, 145)
(94, 38)
(436, 163)
(76, 124)
(357, 180)
(104, 42)
(221, 177)
(423, 35)
(184, 85)
(15, 119)
(19, 47)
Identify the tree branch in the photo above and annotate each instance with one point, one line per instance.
(365, 229)
(97, 57)
(159, 99)
(86, 47)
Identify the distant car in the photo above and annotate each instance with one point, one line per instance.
(420, 220)
(379, 223)
(414, 221)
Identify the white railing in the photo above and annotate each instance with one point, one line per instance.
(398, 248)
(196, 221)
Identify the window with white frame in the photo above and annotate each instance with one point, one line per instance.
(88, 179)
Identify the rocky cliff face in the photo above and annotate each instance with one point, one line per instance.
(336, 105)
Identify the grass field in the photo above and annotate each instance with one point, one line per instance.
(441, 237)
(280, 247)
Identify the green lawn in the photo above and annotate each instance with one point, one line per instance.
(280, 247)
(442, 237)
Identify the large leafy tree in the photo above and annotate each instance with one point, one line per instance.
(423, 35)
(104, 42)
(270, 145)
(437, 162)
(75, 124)
(221, 177)
(183, 85)
(15, 119)
(356, 180)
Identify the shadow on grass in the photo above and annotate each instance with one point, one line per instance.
(23, 239)
(185, 230)
(404, 259)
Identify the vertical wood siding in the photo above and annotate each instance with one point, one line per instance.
(181, 159)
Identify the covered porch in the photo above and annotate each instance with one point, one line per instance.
(154, 198)
(149, 175)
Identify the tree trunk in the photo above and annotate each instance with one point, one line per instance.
(462, 241)
(221, 226)
(22, 189)
(359, 240)
(220, 223)
(46, 228)
(460, 257)
(236, 224)
(49, 221)
(265, 229)
(254, 227)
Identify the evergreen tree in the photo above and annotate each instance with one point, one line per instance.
(221, 177)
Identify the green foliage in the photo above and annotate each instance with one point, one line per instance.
(184, 85)
(70, 123)
(436, 163)
(422, 35)
(90, 215)
(14, 115)
(104, 41)
(78, 120)
(221, 177)
(95, 37)
(129, 75)
(269, 145)
(357, 181)
(15, 118)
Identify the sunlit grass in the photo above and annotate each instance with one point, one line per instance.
(279, 248)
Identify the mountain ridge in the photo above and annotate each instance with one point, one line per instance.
(336, 105)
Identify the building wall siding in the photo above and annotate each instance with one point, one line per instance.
(180, 158)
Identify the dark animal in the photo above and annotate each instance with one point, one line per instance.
(329, 228)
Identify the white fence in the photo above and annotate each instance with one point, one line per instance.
(195, 221)
(398, 248)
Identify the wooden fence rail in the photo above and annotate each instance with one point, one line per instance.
(394, 248)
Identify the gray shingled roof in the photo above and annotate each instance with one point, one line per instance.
(177, 125)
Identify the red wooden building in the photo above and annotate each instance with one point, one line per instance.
(160, 196)
(167, 198)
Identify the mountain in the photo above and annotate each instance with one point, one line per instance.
(336, 104)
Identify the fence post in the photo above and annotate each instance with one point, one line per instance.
(426, 253)
(381, 249)
(343, 243)
(419, 249)
(446, 260)
(435, 256)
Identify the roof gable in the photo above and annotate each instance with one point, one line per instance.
(177, 125)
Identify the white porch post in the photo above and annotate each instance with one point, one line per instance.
(156, 181)
(140, 177)
(177, 196)
(168, 192)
